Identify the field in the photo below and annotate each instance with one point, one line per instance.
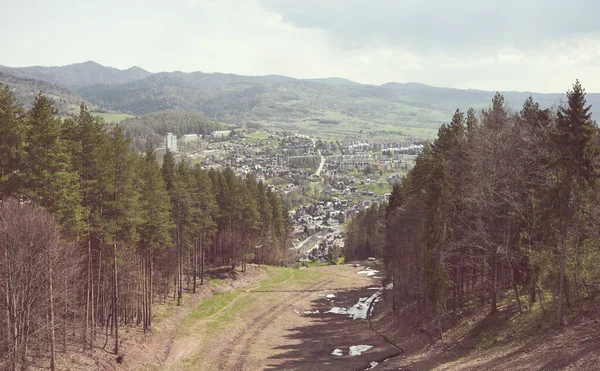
(112, 117)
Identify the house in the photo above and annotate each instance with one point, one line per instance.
(220, 134)
(188, 138)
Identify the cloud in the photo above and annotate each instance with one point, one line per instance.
(530, 45)
(443, 24)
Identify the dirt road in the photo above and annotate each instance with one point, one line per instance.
(281, 323)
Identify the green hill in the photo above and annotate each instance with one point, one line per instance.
(25, 91)
(78, 75)
(327, 107)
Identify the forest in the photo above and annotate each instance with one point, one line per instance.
(500, 206)
(150, 129)
(93, 232)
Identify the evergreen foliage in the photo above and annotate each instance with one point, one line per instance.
(498, 206)
(141, 232)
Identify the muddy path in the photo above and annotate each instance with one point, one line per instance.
(282, 323)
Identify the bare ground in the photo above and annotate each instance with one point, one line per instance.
(141, 351)
(274, 332)
(479, 341)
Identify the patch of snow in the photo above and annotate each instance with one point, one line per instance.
(316, 311)
(337, 310)
(358, 310)
(389, 286)
(368, 272)
(357, 350)
(377, 277)
(372, 365)
(330, 296)
(338, 352)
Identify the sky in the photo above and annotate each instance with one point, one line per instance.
(519, 45)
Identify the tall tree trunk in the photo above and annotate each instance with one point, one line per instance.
(115, 299)
(90, 293)
(561, 287)
(194, 263)
(65, 313)
(51, 300)
(532, 285)
(150, 283)
(202, 259)
(10, 335)
(492, 280)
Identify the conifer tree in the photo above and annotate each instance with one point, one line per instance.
(155, 225)
(48, 177)
(88, 141)
(119, 211)
(576, 166)
(12, 145)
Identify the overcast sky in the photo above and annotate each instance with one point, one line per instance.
(524, 45)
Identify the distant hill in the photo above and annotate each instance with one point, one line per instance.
(78, 75)
(333, 81)
(25, 91)
(328, 107)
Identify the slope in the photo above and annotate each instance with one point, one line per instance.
(26, 89)
(78, 75)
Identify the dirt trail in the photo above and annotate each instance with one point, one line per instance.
(277, 326)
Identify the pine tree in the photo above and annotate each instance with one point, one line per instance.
(119, 211)
(12, 145)
(88, 144)
(48, 178)
(576, 166)
(155, 225)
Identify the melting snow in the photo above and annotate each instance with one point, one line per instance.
(330, 296)
(337, 310)
(389, 286)
(368, 271)
(358, 310)
(356, 350)
(316, 311)
(338, 352)
(372, 365)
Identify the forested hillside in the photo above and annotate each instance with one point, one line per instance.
(149, 130)
(26, 89)
(92, 233)
(330, 106)
(334, 107)
(502, 206)
(78, 74)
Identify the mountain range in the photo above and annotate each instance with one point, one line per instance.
(331, 107)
